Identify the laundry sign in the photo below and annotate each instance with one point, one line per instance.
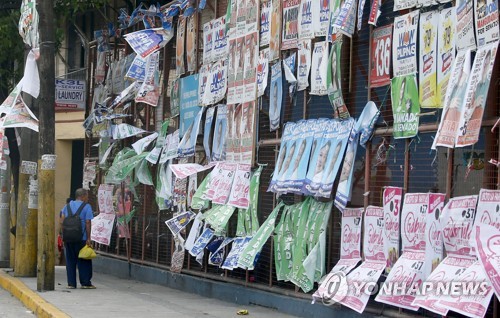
(70, 94)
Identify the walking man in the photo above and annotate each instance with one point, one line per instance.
(77, 212)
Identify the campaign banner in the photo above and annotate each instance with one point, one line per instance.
(105, 198)
(392, 199)
(486, 18)
(488, 208)
(434, 232)
(102, 228)
(19, 115)
(350, 244)
(321, 16)
(207, 131)
(289, 65)
(150, 90)
(231, 142)
(208, 42)
(476, 96)
(445, 52)
(405, 106)
(290, 24)
(179, 222)
(179, 46)
(262, 71)
(184, 170)
(428, 95)
(488, 251)
(191, 42)
(275, 100)
(175, 94)
(216, 84)
(28, 23)
(470, 304)
(146, 42)
(342, 268)
(202, 241)
(247, 132)
(304, 64)
(233, 65)
(219, 138)
(275, 33)
(250, 72)
(457, 223)
(140, 145)
(169, 150)
(374, 12)
(306, 20)
(137, 70)
(285, 166)
(265, 23)
(188, 102)
(70, 94)
(122, 131)
(238, 245)
(240, 190)
(465, 25)
(361, 8)
(286, 142)
(404, 46)
(333, 82)
(413, 222)
(203, 78)
(454, 100)
(346, 18)
(187, 144)
(220, 47)
(373, 237)
(89, 173)
(381, 56)
(319, 69)
(344, 189)
(404, 4)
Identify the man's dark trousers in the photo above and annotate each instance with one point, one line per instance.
(72, 261)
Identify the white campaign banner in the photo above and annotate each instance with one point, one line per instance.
(182, 171)
(486, 17)
(319, 68)
(123, 131)
(321, 16)
(445, 51)
(102, 227)
(208, 42)
(305, 20)
(216, 85)
(265, 23)
(457, 221)
(373, 238)
(240, 190)
(428, 95)
(392, 199)
(262, 71)
(304, 64)
(404, 4)
(404, 45)
(220, 49)
(487, 244)
(105, 198)
(465, 25)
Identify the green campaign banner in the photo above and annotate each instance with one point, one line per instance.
(405, 106)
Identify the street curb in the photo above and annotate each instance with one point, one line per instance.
(29, 298)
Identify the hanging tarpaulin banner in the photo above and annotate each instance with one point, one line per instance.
(207, 129)
(289, 68)
(488, 251)
(188, 102)
(275, 99)
(28, 23)
(207, 43)
(191, 42)
(404, 46)
(346, 19)
(286, 143)
(169, 150)
(216, 85)
(381, 56)
(304, 64)
(219, 139)
(250, 71)
(262, 71)
(290, 24)
(179, 222)
(137, 70)
(102, 228)
(122, 131)
(486, 18)
(488, 208)
(374, 12)
(203, 78)
(404, 4)
(458, 218)
(361, 8)
(179, 46)
(188, 142)
(275, 34)
(321, 16)
(445, 52)
(220, 48)
(465, 25)
(392, 198)
(146, 42)
(333, 81)
(140, 145)
(149, 92)
(319, 69)
(305, 19)
(405, 106)
(240, 195)
(428, 95)
(247, 132)
(239, 244)
(476, 96)
(454, 101)
(19, 115)
(265, 23)
(223, 187)
(184, 170)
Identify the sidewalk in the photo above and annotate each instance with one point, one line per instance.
(116, 297)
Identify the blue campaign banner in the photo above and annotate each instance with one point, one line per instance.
(188, 102)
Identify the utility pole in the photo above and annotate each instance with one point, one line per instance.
(46, 149)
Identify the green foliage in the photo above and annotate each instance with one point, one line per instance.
(69, 8)
(11, 51)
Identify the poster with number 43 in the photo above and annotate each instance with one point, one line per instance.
(381, 56)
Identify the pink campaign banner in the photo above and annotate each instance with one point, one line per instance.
(185, 170)
(373, 241)
(223, 189)
(458, 218)
(434, 232)
(240, 195)
(392, 205)
(488, 250)
(413, 221)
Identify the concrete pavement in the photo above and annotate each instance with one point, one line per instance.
(11, 307)
(115, 297)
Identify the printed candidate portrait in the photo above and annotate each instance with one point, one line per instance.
(321, 162)
(287, 162)
(219, 139)
(333, 158)
(297, 160)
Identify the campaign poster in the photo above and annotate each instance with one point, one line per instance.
(343, 267)
(146, 42)
(409, 272)
(230, 139)
(286, 143)
(275, 33)
(470, 304)
(457, 223)
(232, 68)
(150, 90)
(469, 126)
(286, 169)
(289, 66)
(219, 138)
(169, 151)
(333, 82)
(346, 19)
(223, 187)
(239, 244)
(413, 221)
(252, 16)
(465, 25)
(381, 56)
(19, 115)
(304, 64)
(208, 43)
(239, 80)
(306, 24)
(262, 71)
(321, 16)
(216, 83)
(344, 189)
(251, 61)
(187, 144)
(102, 228)
(204, 75)
(373, 237)
(179, 47)
(445, 52)
(488, 251)
(290, 24)
(350, 243)
(220, 48)
(488, 208)
(207, 131)
(275, 100)
(428, 96)
(392, 198)
(405, 106)
(179, 222)
(265, 23)
(361, 8)
(404, 4)
(453, 102)
(404, 46)
(247, 132)
(375, 12)
(240, 191)
(105, 198)
(319, 69)
(191, 42)
(486, 18)
(184, 170)
(319, 152)
(137, 70)
(433, 232)
(188, 102)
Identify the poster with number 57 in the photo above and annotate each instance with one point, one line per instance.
(381, 56)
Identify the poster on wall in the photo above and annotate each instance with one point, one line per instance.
(321, 16)
(469, 126)
(220, 48)
(179, 47)
(333, 81)
(275, 100)
(346, 19)
(428, 96)
(445, 51)
(457, 221)
(405, 106)
(207, 42)
(488, 251)
(175, 92)
(319, 69)
(102, 228)
(486, 18)
(286, 143)
(216, 84)
(203, 77)
(262, 71)
(247, 132)
(290, 24)
(304, 64)
(207, 131)
(305, 19)
(465, 25)
(188, 102)
(404, 46)
(191, 42)
(404, 4)
(453, 102)
(344, 189)
(187, 144)
(251, 61)
(374, 12)
(275, 36)
(381, 56)
(150, 90)
(392, 199)
(265, 23)
(219, 138)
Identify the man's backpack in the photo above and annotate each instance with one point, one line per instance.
(72, 225)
